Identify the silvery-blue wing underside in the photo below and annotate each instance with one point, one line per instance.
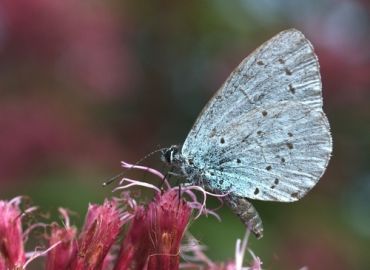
(264, 135)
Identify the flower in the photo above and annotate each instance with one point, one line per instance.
(153, 240)
(102, 226)
(60, 257)
(12, 255)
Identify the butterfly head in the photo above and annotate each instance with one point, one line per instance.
(171, 155)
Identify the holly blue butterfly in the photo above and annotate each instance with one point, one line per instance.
(264, 134)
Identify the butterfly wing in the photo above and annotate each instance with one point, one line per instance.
(264, 135)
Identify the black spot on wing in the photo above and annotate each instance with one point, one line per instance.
(245, 139)
(295, 195)
(291, 89)
(288, 72)
(276, 182)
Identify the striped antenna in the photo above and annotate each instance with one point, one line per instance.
(114, 178)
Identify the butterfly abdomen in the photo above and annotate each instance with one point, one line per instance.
(247, 213)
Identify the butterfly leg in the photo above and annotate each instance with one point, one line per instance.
(247, 213)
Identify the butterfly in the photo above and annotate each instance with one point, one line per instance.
(263, 135)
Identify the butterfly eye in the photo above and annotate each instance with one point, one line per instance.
(174, 149)
(167, 155)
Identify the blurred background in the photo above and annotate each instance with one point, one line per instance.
(85, 84)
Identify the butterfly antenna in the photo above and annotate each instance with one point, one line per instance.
(148, 155)
(114, 178)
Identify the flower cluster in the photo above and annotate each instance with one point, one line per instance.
(119, 234)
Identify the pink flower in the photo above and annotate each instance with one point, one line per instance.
(12, 255)
(102, 226)
(153, 240)
(60, 256)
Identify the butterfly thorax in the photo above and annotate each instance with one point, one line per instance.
(180, 165)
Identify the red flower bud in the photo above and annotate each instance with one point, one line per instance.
(102, 226)
(153, 240)
(12, 254)
(59, 257)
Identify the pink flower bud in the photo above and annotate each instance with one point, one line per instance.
(153, 240)
(101, 229)
(12, 254)
(59, 257)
